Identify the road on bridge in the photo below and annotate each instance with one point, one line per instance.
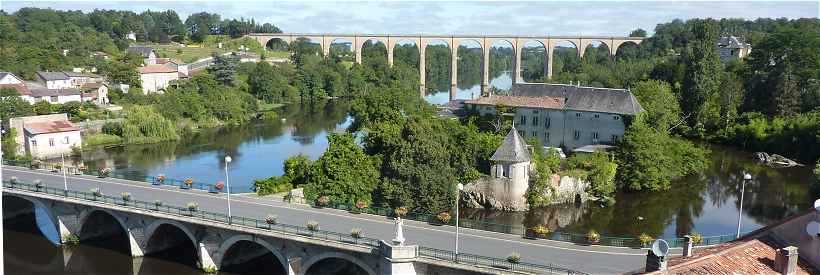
(591, 259)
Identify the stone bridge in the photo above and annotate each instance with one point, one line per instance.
(214, 245)
(485, 42)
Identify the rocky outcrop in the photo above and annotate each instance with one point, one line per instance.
(497, 194)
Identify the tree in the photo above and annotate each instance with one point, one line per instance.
(42, 107)
(638, 33)
(200, 25)
(661, 105)
(649, 159)
(224, 69)
(10, 145)
(11, 105)
(144, 125)
(344, 173)
(702, 78)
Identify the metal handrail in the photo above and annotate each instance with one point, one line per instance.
(253, 223)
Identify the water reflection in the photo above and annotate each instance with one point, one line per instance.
(707, 203)
(258, 150)
(469, 90)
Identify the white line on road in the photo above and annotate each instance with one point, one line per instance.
(342, 216)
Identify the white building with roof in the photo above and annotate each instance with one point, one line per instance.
(155, 78)
(566, 116)
(731, 48)
(55, 80)
(46, 136)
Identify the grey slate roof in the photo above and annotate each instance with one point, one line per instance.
(512, 149)
(4, 74)
(731, 42)
(49, 76)
(139, 49)
(43, 92)
(579, 98)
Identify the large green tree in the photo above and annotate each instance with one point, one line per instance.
(702, 79)
(344, 173)
(661, 105)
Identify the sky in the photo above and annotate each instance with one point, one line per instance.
(615, 18)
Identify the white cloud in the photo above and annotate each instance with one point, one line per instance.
(503, 17)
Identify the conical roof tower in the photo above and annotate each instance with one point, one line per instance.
(512, 149)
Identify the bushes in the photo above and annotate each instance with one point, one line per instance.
(600, 173)
(144, 125)
(101, 139)
(793, 137)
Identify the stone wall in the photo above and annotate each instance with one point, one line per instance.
(497, 193)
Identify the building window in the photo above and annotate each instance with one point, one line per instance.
(535, 121)
(595, 136)
(577, 114)
(547, 122)
(505, 170)
(616, 117)
(597, 115)
(546, 137)
(520, 133)
(523, 120)
(51, 142)
(615, 138)
(33, 143)
(534, 133)
(577, 135)
(535, 112)
(54, 99)
(65, 140)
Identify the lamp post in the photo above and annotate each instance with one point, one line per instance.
(746, 177)
(458, 199)
(65, 179)
(228, 187)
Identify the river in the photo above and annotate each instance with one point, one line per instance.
(706, 203)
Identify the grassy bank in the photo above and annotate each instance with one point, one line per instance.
(101, 139)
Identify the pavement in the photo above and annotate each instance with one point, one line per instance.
(590, 259)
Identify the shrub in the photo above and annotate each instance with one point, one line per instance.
(13, 180)
(189, 181)
(444, 217)
(645, 239)
(125, 196)
(271, 219)
(361, 205)
(312, 225)
(401, 212)
(540, 230)
(192, 206)
(161, 178)
(356, 233)
(158, 203)
(104, 172)
(322, 201)
(514, 258)
(96, 192)
(38, 183)
(58, 167)
(593, 237)
(697, 238)
(71, 239)
(219, 185)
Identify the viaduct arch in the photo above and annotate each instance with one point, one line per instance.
(484, 41)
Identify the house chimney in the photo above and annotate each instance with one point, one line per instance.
(654, 262)
(687, 246)
(786, 260)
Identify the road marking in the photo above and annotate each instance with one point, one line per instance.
(137, 185)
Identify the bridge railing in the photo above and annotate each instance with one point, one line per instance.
(194, 212)
(426, 217)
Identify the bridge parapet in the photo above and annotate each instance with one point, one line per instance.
(212, 237)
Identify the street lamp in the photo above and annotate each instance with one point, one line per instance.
(458, 198)
(746, 177)
(65, 179)
(228, 186)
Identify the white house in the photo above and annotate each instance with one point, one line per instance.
(566, 116)
(144, 51)
(95, 92)
(55, 96)
(46, 136)
(79, 79)
(731, 48)
(155, 78)
(9, 78)
(55, 80)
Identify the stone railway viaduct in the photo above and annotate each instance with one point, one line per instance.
(215, 244)
(485, 42)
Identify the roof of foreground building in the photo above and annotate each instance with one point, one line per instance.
(580, 98)
(47, 127)
(512, 149)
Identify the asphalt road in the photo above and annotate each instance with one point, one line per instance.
(590, 259)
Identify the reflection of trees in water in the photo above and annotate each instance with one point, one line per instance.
(306, 121)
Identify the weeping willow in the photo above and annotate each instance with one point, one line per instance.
(144, 125)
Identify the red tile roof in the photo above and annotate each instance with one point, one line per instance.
(20, 88)
(152, 69)
(754, 256)
(520, 101)
(50, 127)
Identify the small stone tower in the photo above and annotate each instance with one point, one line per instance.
(512, 166)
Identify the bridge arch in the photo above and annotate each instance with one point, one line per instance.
(229, 243)
(565, 56)
(596, 52)
(407, 51)
(534, 60)
(626, 49)
(335, 255)
(501, 58)
(49, 226)
(436, 55)
(159, 237)
(107, 229)
(341, 49)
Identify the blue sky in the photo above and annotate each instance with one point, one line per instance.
(459, 17)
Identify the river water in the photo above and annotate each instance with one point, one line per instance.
(706, 203)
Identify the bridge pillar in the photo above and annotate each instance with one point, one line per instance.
(358, 49)
(294, 266)
(136, 248)
(422, 70)
(485, 69)
(549, 60)
(517, 63)
(397, 259)
(205, 260)
(453, 71)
